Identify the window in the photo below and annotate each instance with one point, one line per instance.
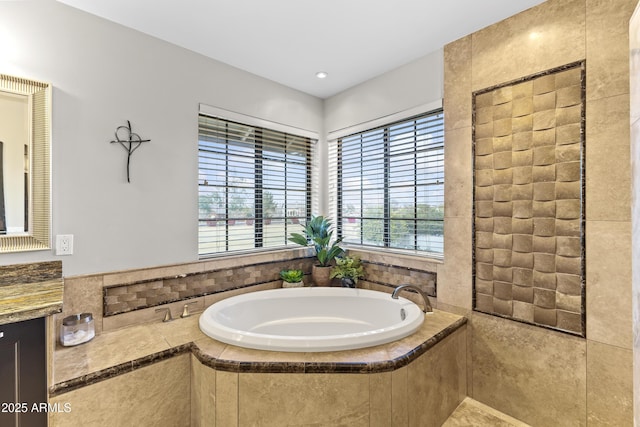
(390, 185)
(254, 185)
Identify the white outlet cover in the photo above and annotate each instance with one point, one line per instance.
(64, 244)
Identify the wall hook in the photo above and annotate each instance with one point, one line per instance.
(125, 136)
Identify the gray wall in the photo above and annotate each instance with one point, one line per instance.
(104, 74)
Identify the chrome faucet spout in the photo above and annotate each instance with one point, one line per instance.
(427, 305)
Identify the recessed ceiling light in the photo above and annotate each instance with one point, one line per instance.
(321, 74)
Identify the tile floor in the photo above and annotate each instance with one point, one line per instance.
(473, 413)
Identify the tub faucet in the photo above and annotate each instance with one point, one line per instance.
(427, 305)
(167, 313)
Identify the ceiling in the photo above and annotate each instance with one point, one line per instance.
(288, 41)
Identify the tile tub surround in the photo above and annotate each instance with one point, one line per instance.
(150, 292)
(28, 291)
(426, 368)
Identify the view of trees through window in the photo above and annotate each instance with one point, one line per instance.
(254, 186)
(391, 185)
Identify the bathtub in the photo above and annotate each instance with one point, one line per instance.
(311, 319)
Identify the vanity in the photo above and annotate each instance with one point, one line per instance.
(29, 294)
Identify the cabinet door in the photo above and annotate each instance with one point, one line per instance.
(23, 376)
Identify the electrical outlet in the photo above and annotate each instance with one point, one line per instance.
(64, 244)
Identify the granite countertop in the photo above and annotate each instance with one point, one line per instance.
(25, 301)
(123, 350)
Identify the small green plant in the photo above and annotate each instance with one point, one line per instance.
(319, 232)
(291, 276)
(348, 268)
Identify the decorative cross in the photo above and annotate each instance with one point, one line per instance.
(131, 138)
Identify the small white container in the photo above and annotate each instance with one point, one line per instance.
(77, 329)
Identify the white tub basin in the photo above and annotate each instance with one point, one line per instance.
(311, 319)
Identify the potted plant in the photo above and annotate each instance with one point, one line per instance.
(292, 278)
(318, 231)
(348, 270)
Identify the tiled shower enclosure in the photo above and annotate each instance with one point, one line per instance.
(529, 199)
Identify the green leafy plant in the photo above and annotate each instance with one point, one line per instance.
(318, 231)
(348, 268)
(291, 276)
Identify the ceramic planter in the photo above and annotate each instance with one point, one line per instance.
(292, 285)
(321, 275)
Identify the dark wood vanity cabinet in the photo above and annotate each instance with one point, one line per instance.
(23, 379)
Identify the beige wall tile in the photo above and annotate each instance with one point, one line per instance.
(206, 405)
(454, 276)
(535, 375)
(458, 164)
(610, 399)
(399, 397)
(434, 393)
(130, 276)
(608, 47)
(609, 283)
(82, 295)
(634, 33)
(380, 403)
(543, 37)
(147, 315)
(303, 399)
(196, 393)
(608, 183)
(397, 259)
(608, 169)
(457, 84)
(226, 399)
(607, 121)
(151, 396)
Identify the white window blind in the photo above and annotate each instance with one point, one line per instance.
(254, 186)
(389, 189)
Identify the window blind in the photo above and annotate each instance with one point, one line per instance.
(390, 185)
(254, 186)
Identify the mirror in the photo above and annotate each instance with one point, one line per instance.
(25, 133)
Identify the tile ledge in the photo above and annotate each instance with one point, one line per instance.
(396, 353)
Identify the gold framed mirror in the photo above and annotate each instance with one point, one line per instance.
(30, 214)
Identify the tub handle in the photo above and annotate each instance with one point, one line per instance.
(185, 309)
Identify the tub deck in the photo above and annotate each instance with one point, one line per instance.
(124, 350)
(419, 380)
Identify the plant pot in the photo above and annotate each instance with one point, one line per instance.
(292, 284)
(348, 282)
(321, 275)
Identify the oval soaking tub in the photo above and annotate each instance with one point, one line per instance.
(311, 319)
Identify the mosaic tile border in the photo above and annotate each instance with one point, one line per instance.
(138, 295)
(528, 149)
(127, 297)
(392, 276)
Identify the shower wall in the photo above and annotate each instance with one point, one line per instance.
(536, 374)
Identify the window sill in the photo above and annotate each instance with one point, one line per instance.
(394, 257)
